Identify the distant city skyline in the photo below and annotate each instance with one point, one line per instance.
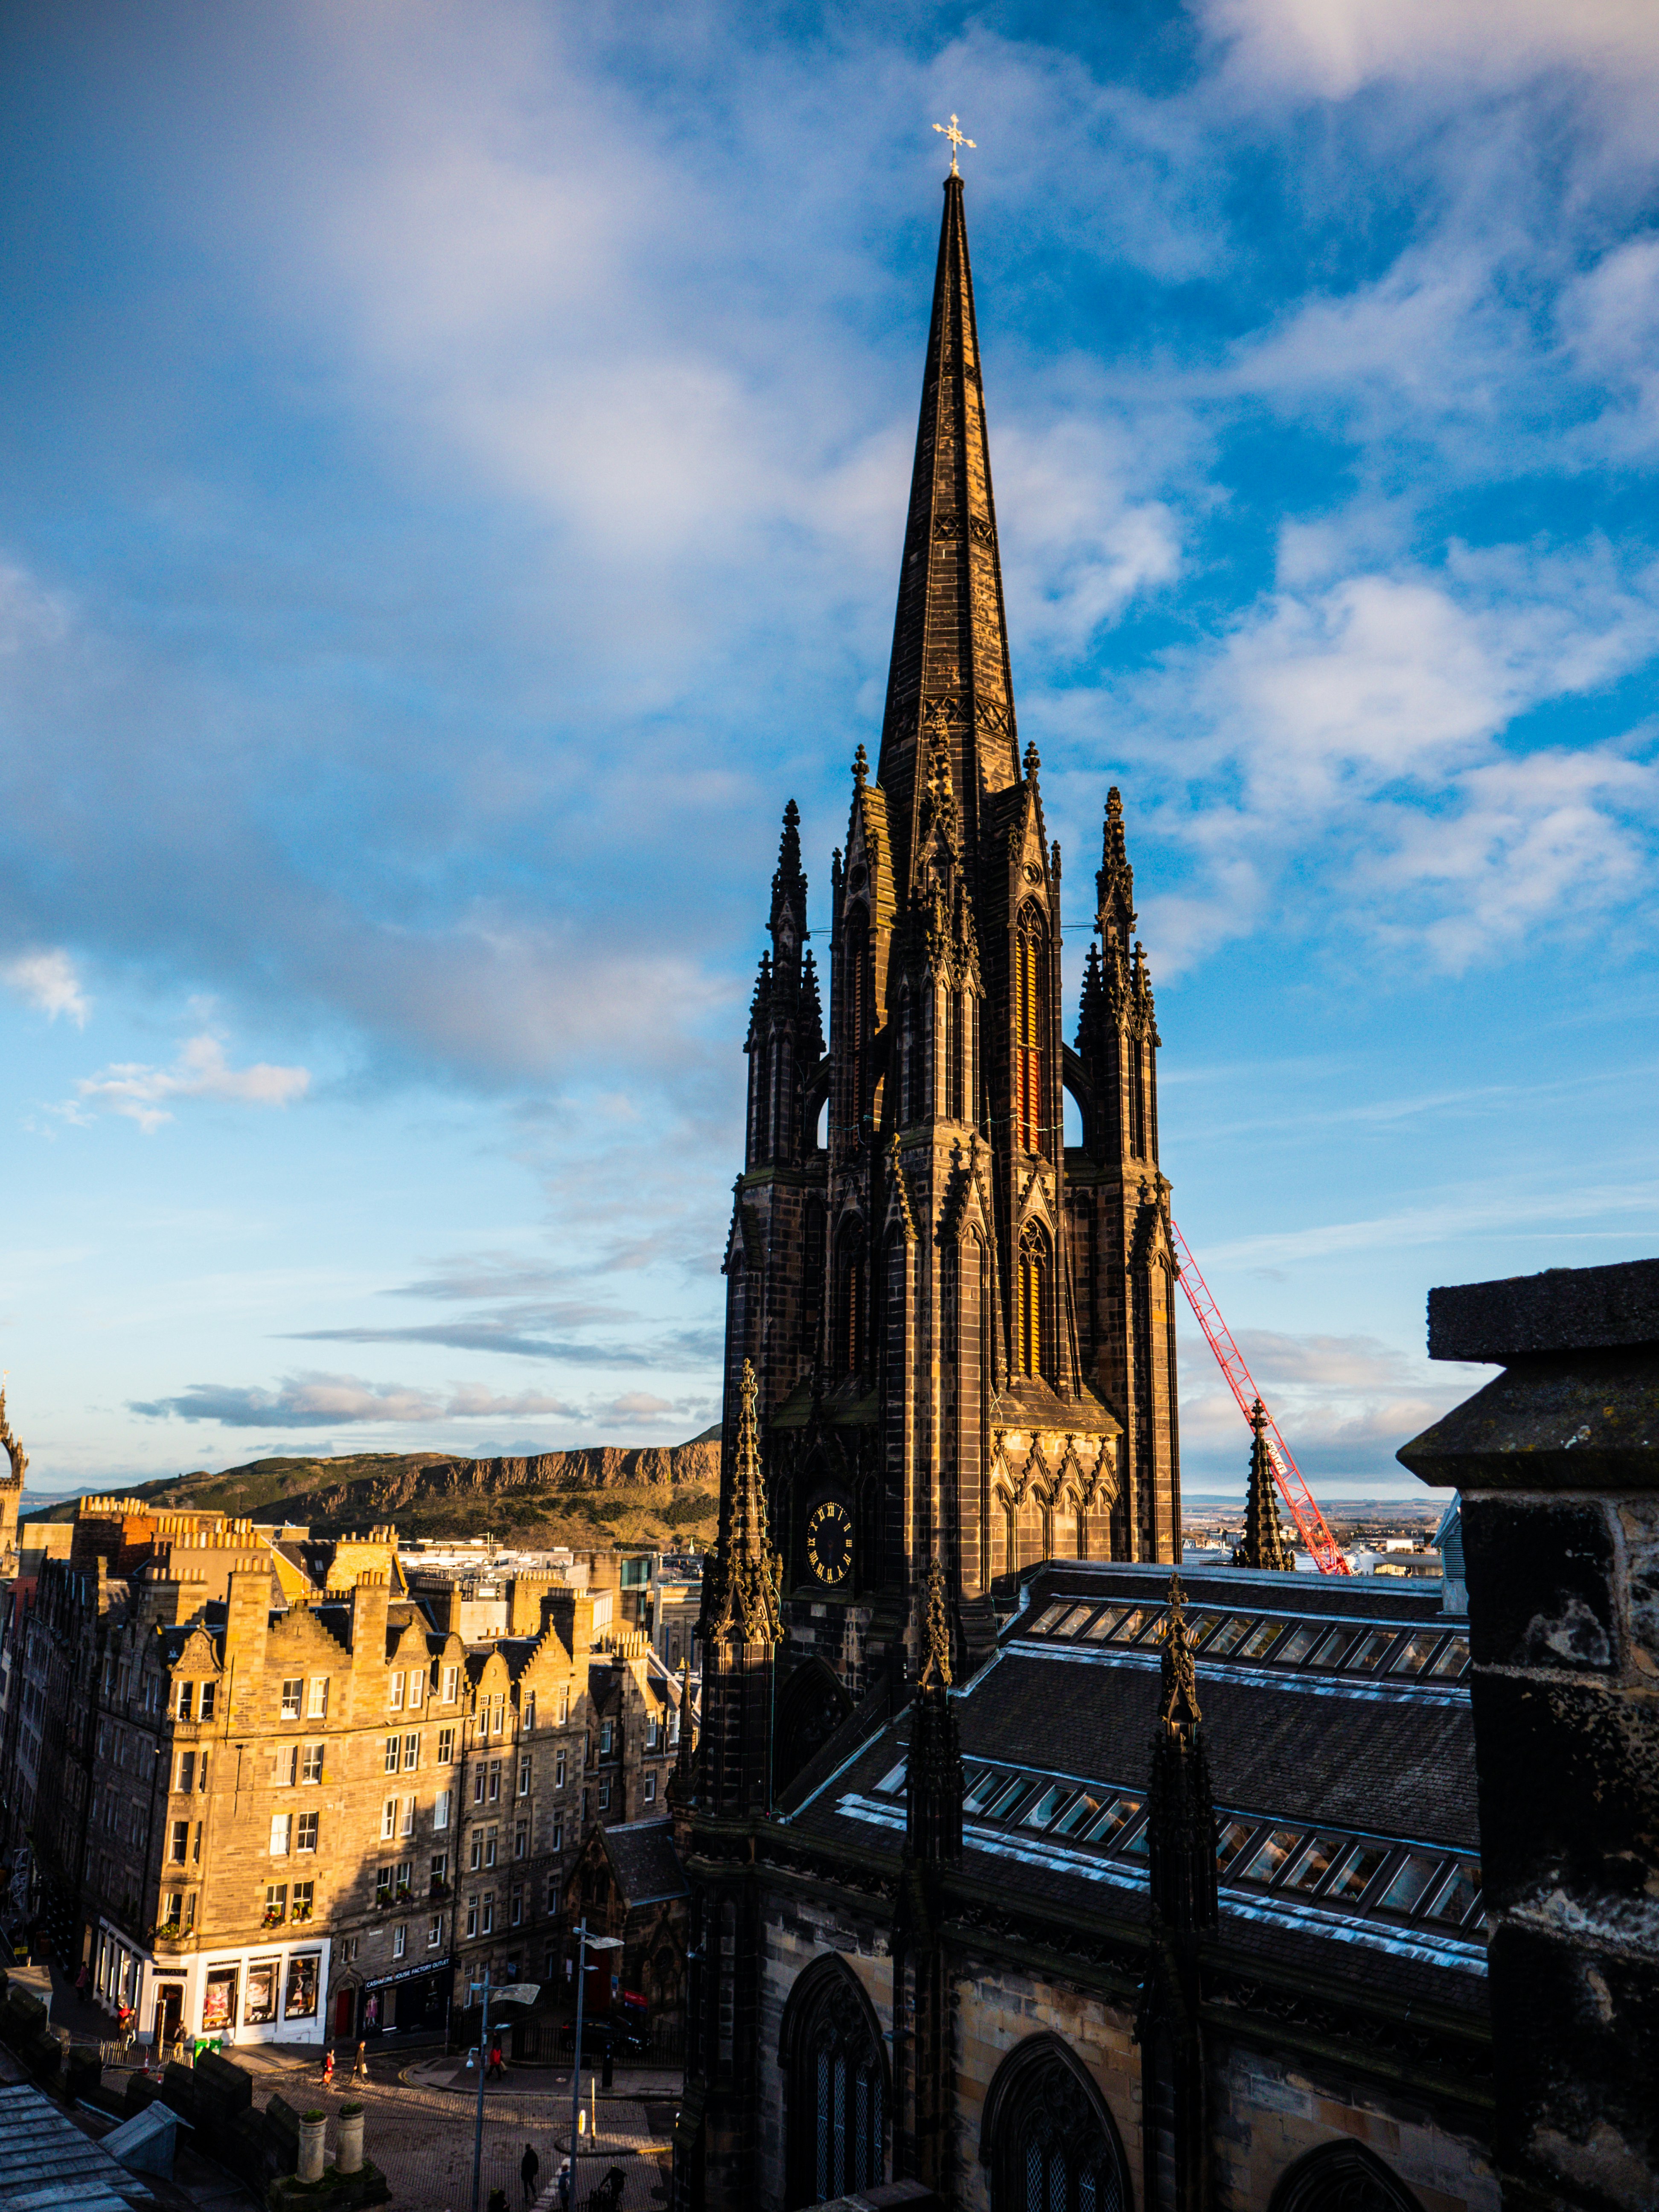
(451, 480)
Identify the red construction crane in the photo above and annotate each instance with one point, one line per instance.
(1310, 1520)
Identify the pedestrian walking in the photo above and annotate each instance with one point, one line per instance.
(529, 2168)
(360, 2071)
(495, 2065)
(328, 2066)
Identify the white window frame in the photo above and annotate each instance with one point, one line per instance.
(317, 1701)
(282, 1835)
(397, 1692)
(388, 1819)
(451, 1684)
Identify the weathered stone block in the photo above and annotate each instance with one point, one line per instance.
(1544, 1572)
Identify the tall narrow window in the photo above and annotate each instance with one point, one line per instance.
(1030, 1028)
(956, 1084)
(836, 2117)
(1032, 1288)
(854, 998)
(849, 1288)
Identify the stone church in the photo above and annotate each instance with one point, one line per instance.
(1023, 1879)
(962, 1332)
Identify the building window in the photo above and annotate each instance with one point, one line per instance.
(480, 1776)
(405, 1877)
(651, 1788)
(282, 1829)
(1033, 1290)
(388, 1819)
(472, 1914)
(406, 1826)
(304, 1899)
(487, 1919)
(307, 1832)
(558, 1770)
(474, 1849)
(275, 1904)
(490, 1846)
(564, 1708)
(186, 1772)
(416, 1690)
(196, 1844)
(652, 1729)
(393, 1746)
(400, 1939)
(605, 1795)
(521, 1840)
(494, 1781)
(286, 1766)
(446, 1747)
(210, 1695)
(435, 1931)
(175, 1907)
(607, 1736)
(440, 1812)
(383, 1885)
(186, 1700)
(190, 1910)
(1053, 2146)
(1030, 1028)
(557, 1844)
(411, 1754)
(553, 1895)
(515, 1915)
(528, 1711)
(292, 1692)
(497, 1713)
(451, 1684)
(835, 2105)
(439, 1873)
(311, 1771)
(317, 1704)
(523, 1775)
(180, 1851)
(396, 1693)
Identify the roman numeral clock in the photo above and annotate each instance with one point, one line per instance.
(829, 1543)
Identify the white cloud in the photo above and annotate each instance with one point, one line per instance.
(311, 1400)
(1333, 47)
(200, 1070)
(48, 981)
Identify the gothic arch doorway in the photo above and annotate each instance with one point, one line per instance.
(811, 1705)
(1047, 2138)
(834, 2072)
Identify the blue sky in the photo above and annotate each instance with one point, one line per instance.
(452, 474)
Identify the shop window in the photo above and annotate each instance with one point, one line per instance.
(219, 1999)
(299, 1998)
(261, 2003)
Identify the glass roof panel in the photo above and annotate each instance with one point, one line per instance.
(1227, 1635)
(1276, 1848)
(1451, 1663)
(1456, 1896)
(1113, 1822)
(1314, 1862)
(1004, 1806)
(1153, 1631)
(1044, 1624)
(1355, 1875)
(983, 1787)
(892, 1781)
(1083, 1808)
(1044, 1806)
(1261, 1640)
(1072, 1624)
(1131, 1624)
(1372, 1649)
(1414, 1651)
(1296, 1646)
(1403, 1890)
(1232, 1840)
(1333, 1650)
(1101, 1628)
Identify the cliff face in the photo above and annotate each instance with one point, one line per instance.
(600, 1467)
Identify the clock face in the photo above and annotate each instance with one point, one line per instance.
(830, 1542)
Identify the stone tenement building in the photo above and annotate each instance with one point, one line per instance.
(1301, 1893)
(963, 1332)
(260, 1811)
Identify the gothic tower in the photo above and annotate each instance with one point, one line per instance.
(958, 1355)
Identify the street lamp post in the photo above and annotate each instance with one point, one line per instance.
(585, 1943)
(514, 1993)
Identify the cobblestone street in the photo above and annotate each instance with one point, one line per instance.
(418, 2129)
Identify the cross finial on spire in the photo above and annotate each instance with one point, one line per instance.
(957, 138)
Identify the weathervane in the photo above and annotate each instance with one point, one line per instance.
(954, 133)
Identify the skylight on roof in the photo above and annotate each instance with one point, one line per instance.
(1414, 1652)
(1110, 1824)
(1044, 1625)
(892, 1781)
(1370, 1650)
(1099, 1630)
(1296, 1646)
(1457, 1896)
(1357, 1871)
(1261, 1640)
(1403, 1891)
(1226, 1636)
(1314, 1862)
(1452, 1660)
(1276, 1847)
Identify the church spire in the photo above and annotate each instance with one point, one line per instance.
(1264, 1544)
(950, 672)
(745, 1595)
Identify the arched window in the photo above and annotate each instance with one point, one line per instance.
(1341, 2177)
(1030, 1303)
(1031, 1027)
(1049, 2138)
(855, 991)
(832, 2058)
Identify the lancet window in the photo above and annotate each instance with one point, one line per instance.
(1030, 1303)
(1030, 1028)
(850, 1309)
(1053, 2148)
(837, 2086)
(855, 1009)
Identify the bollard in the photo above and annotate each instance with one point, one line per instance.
(313, 2126)
(348, 2148)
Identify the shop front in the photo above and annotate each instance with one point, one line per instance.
(269, 1993)
(415, 2000)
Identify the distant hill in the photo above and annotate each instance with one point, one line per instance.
(656, 1494)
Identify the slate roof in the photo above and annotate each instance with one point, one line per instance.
(644, 1861)
(47, 2162)
(1368, 1757)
